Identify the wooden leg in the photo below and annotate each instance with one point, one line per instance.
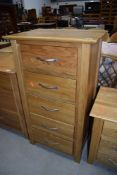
(95, 139)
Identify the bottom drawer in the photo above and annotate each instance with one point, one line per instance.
(9, 119)
(41, 136)
(57, 128)
(109, 161)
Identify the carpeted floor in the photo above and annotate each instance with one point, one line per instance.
(19, 157)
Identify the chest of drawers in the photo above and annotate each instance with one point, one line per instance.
(57, 71)
(11, 111)
(103, 146)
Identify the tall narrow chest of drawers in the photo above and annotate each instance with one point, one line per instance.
(57, 72)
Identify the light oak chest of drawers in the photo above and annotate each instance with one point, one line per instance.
(11, 111)
(57, 71)
(103, 146)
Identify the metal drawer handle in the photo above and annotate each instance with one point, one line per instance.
(50, 142)
(114, 163)
(48, 87)
(48, 60)
(50, 110)
(51, 129)
(114, 148)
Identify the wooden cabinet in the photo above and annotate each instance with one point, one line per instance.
(11, 111)
(57, 71)
(108, 11)
(92, 18)
(103, 146)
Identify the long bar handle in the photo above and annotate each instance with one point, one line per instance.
(50, 142)
(48, 60)
(51, 129)
(48, 87)
(50, 110)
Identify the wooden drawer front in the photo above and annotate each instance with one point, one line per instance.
(50, 87)
(41, 136)
(10, 119)
(109, 161)
(5, 83)
(108, 148)
(49, 59)
(7, 100)
(56, 110)
(57, 128)
(110, 130)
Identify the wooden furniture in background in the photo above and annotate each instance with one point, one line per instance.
(108, 11)
(92, 18)
(8, 19)
(115, 23)
(46, 11)
(103, 145)
(57, 74)
(11, 111)
(66, 9)
(32, 16)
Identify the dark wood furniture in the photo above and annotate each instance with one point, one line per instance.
(45, 25)
(8, 19)
(108, 11)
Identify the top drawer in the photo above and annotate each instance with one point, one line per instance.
(53, 60)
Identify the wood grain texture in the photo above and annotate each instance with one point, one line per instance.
(108, 148)
(18, 61)
(10, 119)
(10, 101)
(105, 106)
(44, 88)
(60, 35)
(50, 87)
(7, 100)
(36, 58)
(18, 104)
(44, 137)
(65, 112)
(110, 130)
(57, 128)
(87, 76)
(109, 161)
(7, 62)
(95, 139)
(103, 146)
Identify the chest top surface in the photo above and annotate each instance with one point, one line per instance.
(61, 35)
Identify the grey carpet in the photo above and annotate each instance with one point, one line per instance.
(19, 157)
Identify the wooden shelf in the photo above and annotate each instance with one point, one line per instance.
(107, 13)
(109, 9)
